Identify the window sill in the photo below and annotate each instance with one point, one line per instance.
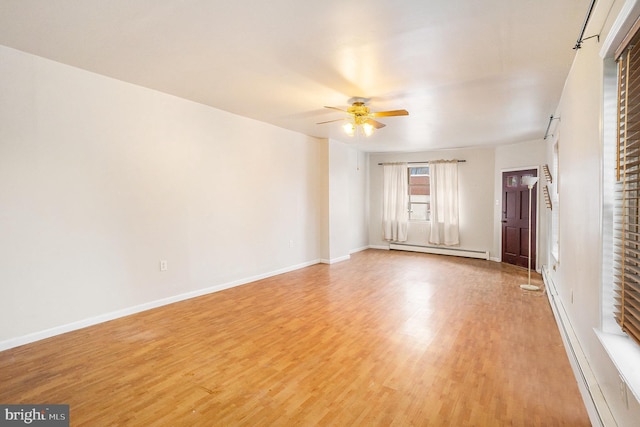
(625, 354)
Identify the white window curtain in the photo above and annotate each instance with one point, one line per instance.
(395, 214)
(444, 202)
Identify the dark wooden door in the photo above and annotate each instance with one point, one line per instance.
(515, 218)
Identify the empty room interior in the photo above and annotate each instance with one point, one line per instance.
(340, 213)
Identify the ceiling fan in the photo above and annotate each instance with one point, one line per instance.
(361, 116)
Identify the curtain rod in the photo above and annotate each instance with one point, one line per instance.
(412, 163)
(551, 119)
(584, 27)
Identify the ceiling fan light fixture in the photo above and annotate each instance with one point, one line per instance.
(352, 127)
(361, 118)
(368, 129)
(349, 129)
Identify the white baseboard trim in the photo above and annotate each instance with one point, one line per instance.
(58, 330)
(594, 400)
(363, 248)
(382, 247)
(335, 260)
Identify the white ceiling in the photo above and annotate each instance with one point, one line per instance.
(469, 72)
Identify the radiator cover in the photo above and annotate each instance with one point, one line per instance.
(440, 250)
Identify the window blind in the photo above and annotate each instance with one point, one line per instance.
(627, 194)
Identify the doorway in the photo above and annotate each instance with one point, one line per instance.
(515, 218)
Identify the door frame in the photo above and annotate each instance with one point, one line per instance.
(537, 216)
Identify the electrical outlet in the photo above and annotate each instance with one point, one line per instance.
(290, 243)
(163, 265)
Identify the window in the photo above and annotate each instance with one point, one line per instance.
(624, 351)
(419, 198)
(626, 211)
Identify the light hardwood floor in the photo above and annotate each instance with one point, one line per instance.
(386, 338)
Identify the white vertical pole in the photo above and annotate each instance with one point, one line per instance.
(529, 255)
(528, 286)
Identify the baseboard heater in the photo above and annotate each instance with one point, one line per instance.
(440, 250)
(592, 396)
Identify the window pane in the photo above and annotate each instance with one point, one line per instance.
(419, 211)
(419, 190)
(420, 199)
(419, 171)
(626, 213)
(419, 193)
(419, 180)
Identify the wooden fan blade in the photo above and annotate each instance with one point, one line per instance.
(390, 113)
(336, 108)
(330, 121)
(375, 124)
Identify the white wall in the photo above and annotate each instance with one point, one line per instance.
(100, 180)
(347, 202)
(358, 200)
(476, 193)
(339, 206)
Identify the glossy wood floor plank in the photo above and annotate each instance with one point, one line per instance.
(386, 338)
